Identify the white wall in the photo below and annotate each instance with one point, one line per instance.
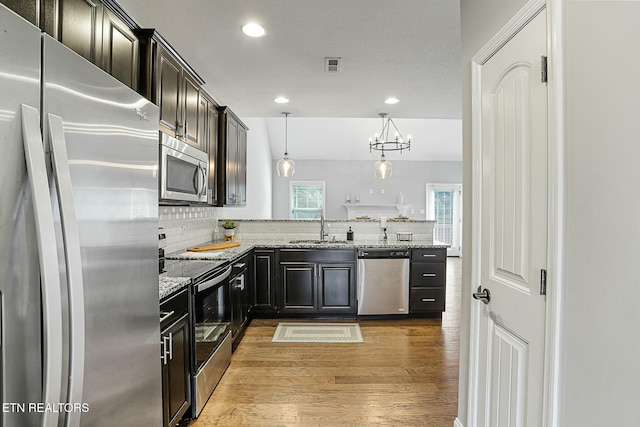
(356, 178)
(601, 361)
(259, 174)
(599, 316)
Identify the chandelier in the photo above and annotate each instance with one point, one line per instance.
(286, 166)
(382, 142)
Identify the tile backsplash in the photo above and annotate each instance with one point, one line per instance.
(274, 230)
(186, 226)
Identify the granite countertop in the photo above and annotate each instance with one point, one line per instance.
(361, 219)
(171, 285)
(248, 245)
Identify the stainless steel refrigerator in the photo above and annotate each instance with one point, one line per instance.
(80, 339)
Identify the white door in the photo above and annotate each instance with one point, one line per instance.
(444, 206)
(510, 221)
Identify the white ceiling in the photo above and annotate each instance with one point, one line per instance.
(409, 49)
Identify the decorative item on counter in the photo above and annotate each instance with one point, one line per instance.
(229, 230)
(215, 247)
(404, 236)
(357, 198)
(216, 229)
(400, 199)
(348, 199)
(350, 234)
(383, 225)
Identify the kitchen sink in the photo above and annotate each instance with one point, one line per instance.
(319, 242)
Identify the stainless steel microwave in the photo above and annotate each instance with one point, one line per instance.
(183, 171)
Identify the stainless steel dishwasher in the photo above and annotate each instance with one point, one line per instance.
(383, 281)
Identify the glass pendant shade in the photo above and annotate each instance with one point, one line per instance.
(286, 167)
(383, 168)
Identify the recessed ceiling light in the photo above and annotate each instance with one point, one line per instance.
(391, 100)
(253, 30)
(281, 100)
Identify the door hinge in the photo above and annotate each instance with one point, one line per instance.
(543, 69)
(543, 282)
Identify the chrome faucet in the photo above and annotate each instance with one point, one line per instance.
(322, 233)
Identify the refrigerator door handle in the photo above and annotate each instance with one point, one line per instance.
(47, 254)
(71, 237)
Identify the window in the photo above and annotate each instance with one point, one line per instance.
(444, 205)
(306, 199)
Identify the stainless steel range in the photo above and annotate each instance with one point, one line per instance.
(211, 323)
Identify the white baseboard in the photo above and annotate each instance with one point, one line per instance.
(457, 423)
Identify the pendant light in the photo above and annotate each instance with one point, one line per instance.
(383, 168)
(286, 166)
(382, 142)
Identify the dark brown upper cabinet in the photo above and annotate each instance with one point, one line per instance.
(28, 9)
(176, 90)
(232, 171)
(98, 30)
(79, 27)
(120, 50)
(209, 135)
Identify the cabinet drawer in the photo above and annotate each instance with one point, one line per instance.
(429, 254)
(426, 300)
(317, 255)
(174, 307)
(428, 274)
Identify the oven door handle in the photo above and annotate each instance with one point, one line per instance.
(212, 282)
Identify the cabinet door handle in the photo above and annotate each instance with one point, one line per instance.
(163, 355)
(239, 265)
(429, 255)
(166, 315)
(170, 346)
(428, 300)
(428, 274)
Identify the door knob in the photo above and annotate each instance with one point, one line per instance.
(483, 295)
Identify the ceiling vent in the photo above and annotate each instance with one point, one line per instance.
(332, 65)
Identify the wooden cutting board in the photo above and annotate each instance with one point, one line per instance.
(215, 247)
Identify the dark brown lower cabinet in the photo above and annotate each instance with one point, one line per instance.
(264, 282)
(299, 287)
(428, 281)
(336, 293)
(175, 356)
(317, 282)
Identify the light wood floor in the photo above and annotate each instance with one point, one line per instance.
(404, 374)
